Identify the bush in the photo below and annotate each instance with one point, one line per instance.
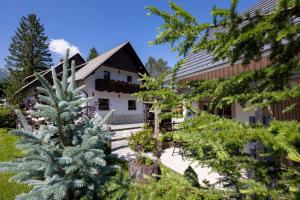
(169, 186)
(166, 137)
(7, 117)
(142, 141)
(191, 176)
(143, 160)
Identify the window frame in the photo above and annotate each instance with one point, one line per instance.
(103, 107)
(131, 107)
(129, 79)
(106, 75)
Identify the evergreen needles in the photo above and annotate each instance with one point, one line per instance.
(64, 160)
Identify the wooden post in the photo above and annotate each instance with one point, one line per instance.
(259, 120)
(156, 128)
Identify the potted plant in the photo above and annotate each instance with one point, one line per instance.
(142, 168)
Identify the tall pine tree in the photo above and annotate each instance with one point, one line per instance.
(28, 53)
(92, 54)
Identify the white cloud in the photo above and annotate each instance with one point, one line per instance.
(60, 46)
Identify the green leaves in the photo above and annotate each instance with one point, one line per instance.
(224, 145)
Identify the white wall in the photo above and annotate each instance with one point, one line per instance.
(116, 102)
(242, 115)
(116, 74)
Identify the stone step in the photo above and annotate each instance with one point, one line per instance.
(121, 127)
(119, 144)
(124, 133)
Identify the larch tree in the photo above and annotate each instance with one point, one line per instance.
(28, 53)
(221, 143)
(92, 54)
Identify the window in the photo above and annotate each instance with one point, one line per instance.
(131, 105)
(103, 104)
(129, 79)
(106, 75)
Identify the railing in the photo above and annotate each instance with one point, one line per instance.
(116, 86)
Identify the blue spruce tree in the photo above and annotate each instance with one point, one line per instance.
(64, 160)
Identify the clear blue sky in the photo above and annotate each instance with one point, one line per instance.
(101, 23)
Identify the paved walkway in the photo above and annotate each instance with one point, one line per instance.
(179, 165)
(175, 162)
(119, 142)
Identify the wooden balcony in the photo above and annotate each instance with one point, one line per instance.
(116, 86)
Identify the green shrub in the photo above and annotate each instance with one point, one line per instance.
(143, 160)
(142, 141)
(170, 186)
(191, 176)
(7, 117)
(166, 137)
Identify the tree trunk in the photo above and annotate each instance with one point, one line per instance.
(156, 129)
(259, 120)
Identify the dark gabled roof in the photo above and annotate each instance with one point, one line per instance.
(197, 62)
(95, 63)
(79, 60)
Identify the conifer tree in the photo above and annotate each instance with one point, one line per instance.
(92, 54)
(64, 160)
(28, 53)
(155, 67)
(28, 50)
(221, 143)
(276, 30)
(163, 98)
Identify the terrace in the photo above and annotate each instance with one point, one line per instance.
(116, 86)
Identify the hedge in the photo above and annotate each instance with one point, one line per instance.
(7, 117)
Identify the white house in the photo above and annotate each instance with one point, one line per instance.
(111, 78)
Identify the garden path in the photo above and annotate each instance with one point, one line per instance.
(174, 161)
(179, 164)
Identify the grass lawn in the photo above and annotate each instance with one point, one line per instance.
(8, 152)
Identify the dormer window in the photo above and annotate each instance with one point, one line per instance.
(129, 79)
(106, 75)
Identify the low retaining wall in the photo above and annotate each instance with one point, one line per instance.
(126, 119)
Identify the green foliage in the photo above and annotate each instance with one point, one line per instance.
(66, 159)
(92, 54)
(169, 186)
(221, 143)
(245, 42)
(8, 151)
(143, 160)
(191, 177)
(7, 117)
(142, 141)
(28, 50)
(29, 53)
(229, 147)
(10, 86)
(183, 31)
(165, 137)
(162, 94)
(157, 66)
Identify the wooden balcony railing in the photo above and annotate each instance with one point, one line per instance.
(116, 86)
